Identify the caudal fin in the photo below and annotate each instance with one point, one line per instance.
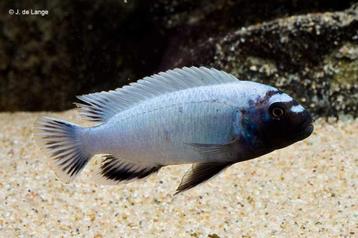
(62, 140)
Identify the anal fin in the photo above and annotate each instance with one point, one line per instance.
(115, 170)
(199, 173)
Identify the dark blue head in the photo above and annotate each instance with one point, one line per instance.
(274, 121)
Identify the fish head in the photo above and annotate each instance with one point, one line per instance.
(286, 123)
(276, 120)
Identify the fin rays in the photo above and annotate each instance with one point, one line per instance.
(117, 170)
(99, 107)
(200, 173)
(61, 140)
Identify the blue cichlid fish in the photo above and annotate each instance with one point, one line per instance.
(191, 115)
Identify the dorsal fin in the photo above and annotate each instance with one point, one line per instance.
(103, 105)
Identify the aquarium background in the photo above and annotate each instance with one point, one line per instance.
(308, 48)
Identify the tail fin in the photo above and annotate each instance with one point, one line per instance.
(62, 141)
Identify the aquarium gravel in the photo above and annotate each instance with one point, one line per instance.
(306, 190)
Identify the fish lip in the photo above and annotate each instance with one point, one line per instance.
(309, 129)
(305, 130)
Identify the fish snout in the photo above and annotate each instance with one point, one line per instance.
(306, 127)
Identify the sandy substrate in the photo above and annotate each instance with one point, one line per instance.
(306, 190)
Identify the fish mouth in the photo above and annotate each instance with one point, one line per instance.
(305, 130)
(309, 129)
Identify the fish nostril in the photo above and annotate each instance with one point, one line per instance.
(305, 119)
(307, 123)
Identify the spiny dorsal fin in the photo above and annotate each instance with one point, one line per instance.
(200, 173)
(103, 105)
(114, 170)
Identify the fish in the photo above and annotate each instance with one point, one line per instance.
(191, 115)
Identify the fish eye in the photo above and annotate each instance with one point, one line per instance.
(277, 111)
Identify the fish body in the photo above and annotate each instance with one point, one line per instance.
(191, 115)
(162, 129)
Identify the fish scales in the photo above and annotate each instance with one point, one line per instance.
(191, 115)
(158, 129)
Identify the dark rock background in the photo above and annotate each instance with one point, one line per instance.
(307, 48)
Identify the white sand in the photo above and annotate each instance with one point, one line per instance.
(306, 190)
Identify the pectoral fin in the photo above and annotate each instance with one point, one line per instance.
(200, 173)
(217, 152)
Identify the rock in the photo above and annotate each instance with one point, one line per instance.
(78, 48)
(82, 48)
(311, 56)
